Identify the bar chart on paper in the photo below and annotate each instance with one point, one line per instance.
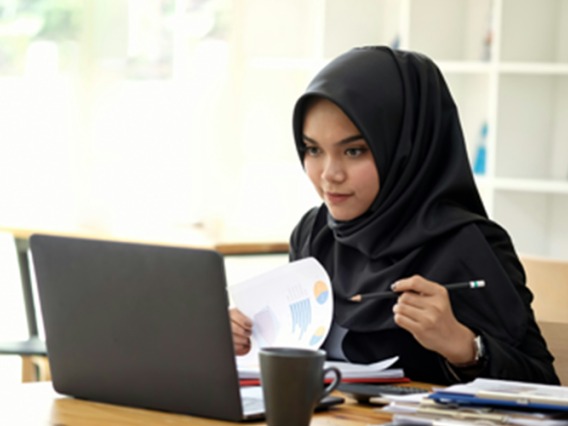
(290, 306)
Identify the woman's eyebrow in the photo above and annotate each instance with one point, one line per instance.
(341, 142)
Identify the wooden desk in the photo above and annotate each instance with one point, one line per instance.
(182, 238)
(39, 404)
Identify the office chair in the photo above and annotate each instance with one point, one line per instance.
(32, 350)
(548, 281)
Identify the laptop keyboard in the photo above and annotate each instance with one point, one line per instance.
(252, 400)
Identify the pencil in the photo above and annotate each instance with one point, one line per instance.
(388, 294)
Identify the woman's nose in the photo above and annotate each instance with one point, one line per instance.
(333, 171)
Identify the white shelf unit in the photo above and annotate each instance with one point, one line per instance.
(530, 180)
(506, 62)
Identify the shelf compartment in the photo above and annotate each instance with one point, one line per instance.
(451, 30)
(536, 221)
(532, 111)
(471, 94)
(534, 31)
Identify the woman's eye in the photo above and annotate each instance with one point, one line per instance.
(354, 152)
(312, 151)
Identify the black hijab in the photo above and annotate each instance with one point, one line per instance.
(428, 217)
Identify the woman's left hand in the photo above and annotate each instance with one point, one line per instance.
(423, 309)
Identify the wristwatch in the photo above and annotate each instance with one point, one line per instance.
(479, 349)
(479, 354)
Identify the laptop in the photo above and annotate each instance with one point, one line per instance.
(141, 325)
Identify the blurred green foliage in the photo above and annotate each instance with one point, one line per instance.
(25, 21)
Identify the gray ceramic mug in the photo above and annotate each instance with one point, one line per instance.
(293, 384)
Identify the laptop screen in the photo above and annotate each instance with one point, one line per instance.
(137, 324)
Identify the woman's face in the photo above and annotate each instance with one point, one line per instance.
(338, 161)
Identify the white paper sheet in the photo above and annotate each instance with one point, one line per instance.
(251, 369)
(290, 306)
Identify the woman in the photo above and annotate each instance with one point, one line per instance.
(379, 137)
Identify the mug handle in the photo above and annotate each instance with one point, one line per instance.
(336, 380)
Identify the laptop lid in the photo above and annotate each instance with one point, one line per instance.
(138, 325)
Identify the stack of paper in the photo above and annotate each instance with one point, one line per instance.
(484, 401)
(429, 412)
(376, 372)
(506, 393)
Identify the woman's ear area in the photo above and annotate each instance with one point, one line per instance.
(303, 104)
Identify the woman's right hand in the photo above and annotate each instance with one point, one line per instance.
(241, 327)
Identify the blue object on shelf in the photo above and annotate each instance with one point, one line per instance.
(395, 42)
(480, 155)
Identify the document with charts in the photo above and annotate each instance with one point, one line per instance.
(292, 306)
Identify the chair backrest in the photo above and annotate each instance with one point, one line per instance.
(556, 336)
(12, 314)
(15, 252)
(548, 280)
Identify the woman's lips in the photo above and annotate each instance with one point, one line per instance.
(336, 198)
